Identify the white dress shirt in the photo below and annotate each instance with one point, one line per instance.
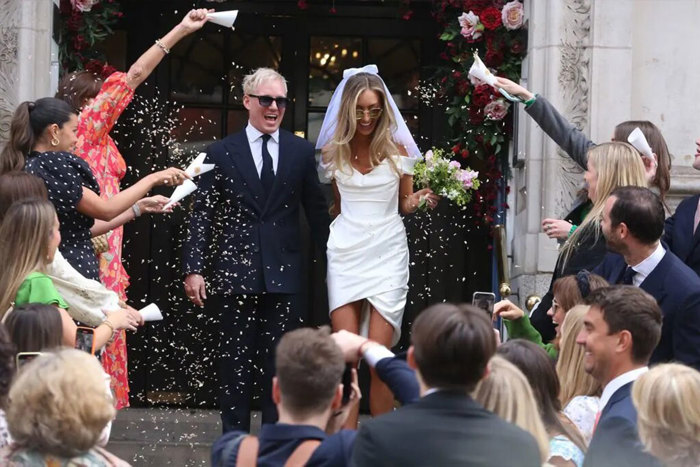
(255, 142)
(618, 382)
(649, 264)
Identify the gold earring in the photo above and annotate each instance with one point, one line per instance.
(55, 141)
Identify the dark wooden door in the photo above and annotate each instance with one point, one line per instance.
(194, 98)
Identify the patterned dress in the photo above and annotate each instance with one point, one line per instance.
(99, 150)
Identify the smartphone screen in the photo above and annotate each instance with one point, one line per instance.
(23, 358)
(485, 301)
(85, 339)
(347, 383)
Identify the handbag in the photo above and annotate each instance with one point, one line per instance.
(101, 243)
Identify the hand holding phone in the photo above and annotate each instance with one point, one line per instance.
(485, 301)
(85, 339)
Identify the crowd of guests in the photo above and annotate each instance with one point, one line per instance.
(603, 372)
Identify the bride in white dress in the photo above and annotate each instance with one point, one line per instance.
(369, 154)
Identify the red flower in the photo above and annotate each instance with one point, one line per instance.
(490, 18)
(406, 16)
(302, 5)
(462, 87)
(482, 95)
(94, 66)
(79, 42)
(332, 11)
(465, 153)
(476, 6)
(517, 47)
(494, 57)
(476, 116)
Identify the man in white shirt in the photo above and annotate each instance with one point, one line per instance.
(621, 330)
(633, 222)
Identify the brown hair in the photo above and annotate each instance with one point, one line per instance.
(29, 122)
(17, 186)
(77, 87)
(629, 308)
(7, 365)
(570, 290)
(309, 368)
(656, 140)
(538, 368)
(452, 345)
(35, 327)
(642, 212)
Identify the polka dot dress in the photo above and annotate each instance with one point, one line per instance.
(65, 175)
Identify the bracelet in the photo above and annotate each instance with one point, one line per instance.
(109, 324)
(136, 209)
(572, 229)
(162, 46)
(530, 101)
(359, 350)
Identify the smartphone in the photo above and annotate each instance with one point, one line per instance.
(23, 358)
(347, 383)
(85, 339)
(485, 301)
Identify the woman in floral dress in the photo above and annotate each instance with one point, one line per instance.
(100, 106)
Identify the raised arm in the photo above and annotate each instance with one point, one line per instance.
(566, 135)
(147, 62)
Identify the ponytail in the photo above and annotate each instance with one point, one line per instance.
(28, 124)
(21, 140)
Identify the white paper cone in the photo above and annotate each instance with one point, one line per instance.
(151, 313)
(187, 188)
(637, 139)
(223, 18)
(198, 167)
(479, 71)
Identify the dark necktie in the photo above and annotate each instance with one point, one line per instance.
(628, 276)
(267, 175)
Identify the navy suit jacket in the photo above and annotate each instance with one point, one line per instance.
(615, 440)
(679, 236)
(676, 289)
(400, 378)
(247, 242)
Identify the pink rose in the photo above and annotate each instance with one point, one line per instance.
(467, 177)
(512, 15)
(471, 28)
(455, 165)
(83, 5)
(496, 109)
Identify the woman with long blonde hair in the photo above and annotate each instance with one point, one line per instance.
(369, 154)
(668, 413)
(506, 392)
(580, 392)
(29, 238)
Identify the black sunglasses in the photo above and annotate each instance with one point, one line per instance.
(266, 101)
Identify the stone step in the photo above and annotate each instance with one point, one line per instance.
(139, 454)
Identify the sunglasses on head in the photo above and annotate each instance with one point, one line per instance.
(266, 101)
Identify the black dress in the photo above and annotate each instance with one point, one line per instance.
(65, 175)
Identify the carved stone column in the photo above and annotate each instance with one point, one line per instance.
(27, 53)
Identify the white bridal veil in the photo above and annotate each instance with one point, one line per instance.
(400, 133)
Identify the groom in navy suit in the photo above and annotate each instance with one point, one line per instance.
(633, 222)
(244, 231)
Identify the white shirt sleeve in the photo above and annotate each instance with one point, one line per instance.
(374, 353)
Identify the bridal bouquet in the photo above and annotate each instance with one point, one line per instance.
(446, 178)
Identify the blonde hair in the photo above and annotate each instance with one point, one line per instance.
(337, 151)
(24, 245)
(572, 375)
(617, 164)
(507, 393)
(668, 413)
(59, 404)
(259, 76)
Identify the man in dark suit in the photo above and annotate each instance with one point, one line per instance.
(621, 329)
(681, 232)
(245, 232)
(633, 221)
(451, 347)
(308, 393)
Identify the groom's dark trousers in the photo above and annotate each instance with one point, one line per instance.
(246, 242)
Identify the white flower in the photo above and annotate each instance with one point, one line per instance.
(470, 25)
(497, 109)
(512, 15)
